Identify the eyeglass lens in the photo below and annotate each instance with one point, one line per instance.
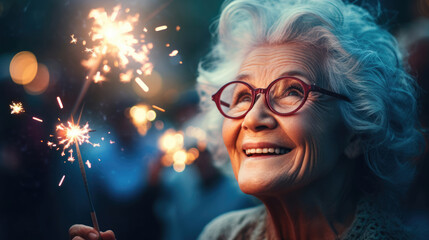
(285, 96)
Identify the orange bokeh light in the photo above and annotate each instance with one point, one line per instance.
(23, 67)
(40, 82)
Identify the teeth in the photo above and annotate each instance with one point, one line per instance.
(266, 150)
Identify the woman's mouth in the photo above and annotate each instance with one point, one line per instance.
(265, 151)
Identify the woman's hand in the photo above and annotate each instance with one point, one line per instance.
(82, 232)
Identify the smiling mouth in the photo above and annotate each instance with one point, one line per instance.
(265, 151)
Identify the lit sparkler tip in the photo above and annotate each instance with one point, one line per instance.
(60, 103)
(61, 181)
(16, 108)
(37, 119)
(71, 134)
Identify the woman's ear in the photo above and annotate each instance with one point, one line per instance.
(353, 148)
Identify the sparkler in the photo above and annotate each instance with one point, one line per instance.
(74, 134)
(113, 36)
(16, 108)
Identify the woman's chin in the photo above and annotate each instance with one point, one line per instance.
(258, 183)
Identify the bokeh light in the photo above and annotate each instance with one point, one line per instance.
(40, 83)
(141, 117)
(153, 83)
(23, 67)
(151, 115)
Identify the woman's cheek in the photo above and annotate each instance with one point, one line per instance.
(230, 132)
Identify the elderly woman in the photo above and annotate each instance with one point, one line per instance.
(319, 121)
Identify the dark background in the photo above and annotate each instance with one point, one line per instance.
(33, 206)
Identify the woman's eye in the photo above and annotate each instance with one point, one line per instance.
(244, 98)
(293, 92)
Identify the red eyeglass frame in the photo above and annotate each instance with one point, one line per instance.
(255, 92)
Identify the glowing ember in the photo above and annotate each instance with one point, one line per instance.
(37, 119)
(88, 163)
(173, 53)
(16, 108)
(114, 36)
(72, 133)
(59, 102)
(70, 158)
(161, 28)
(73, 39)
(158, 108)
(61, 181)
(98, 77)
(142, 84)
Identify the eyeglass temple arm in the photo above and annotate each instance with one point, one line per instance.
(333, 94)
(221, 102)
(224, 103)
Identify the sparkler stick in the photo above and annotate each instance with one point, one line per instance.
(85, 182)
(86, 85)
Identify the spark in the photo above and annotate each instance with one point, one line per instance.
(161, 28)
(173, 53)
(98, 77)
(59, 102)
(106, 68)
(112, 142)
(142, 84)
(51, 144)
(61, 181)
(70, 158)
(37, 119)
(158, 108)
(177, 28)
(16, 108)
(88, 163)
(73, 39)
(89, 50)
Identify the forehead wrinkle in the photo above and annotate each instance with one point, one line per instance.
(273, 61)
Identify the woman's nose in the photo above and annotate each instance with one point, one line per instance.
(260, 117)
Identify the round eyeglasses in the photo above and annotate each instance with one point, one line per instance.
(284, 96)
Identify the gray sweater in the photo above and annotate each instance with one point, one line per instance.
(370, 223)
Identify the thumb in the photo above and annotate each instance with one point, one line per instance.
(108, 235)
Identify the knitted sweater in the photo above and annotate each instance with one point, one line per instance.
(370, 223)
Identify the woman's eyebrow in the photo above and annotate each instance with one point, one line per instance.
(241, 77)
(294, 73)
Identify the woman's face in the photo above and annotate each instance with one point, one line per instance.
(307, 144)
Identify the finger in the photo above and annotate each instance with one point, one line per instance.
(78, 238)
(108, 235)
(82, 231)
